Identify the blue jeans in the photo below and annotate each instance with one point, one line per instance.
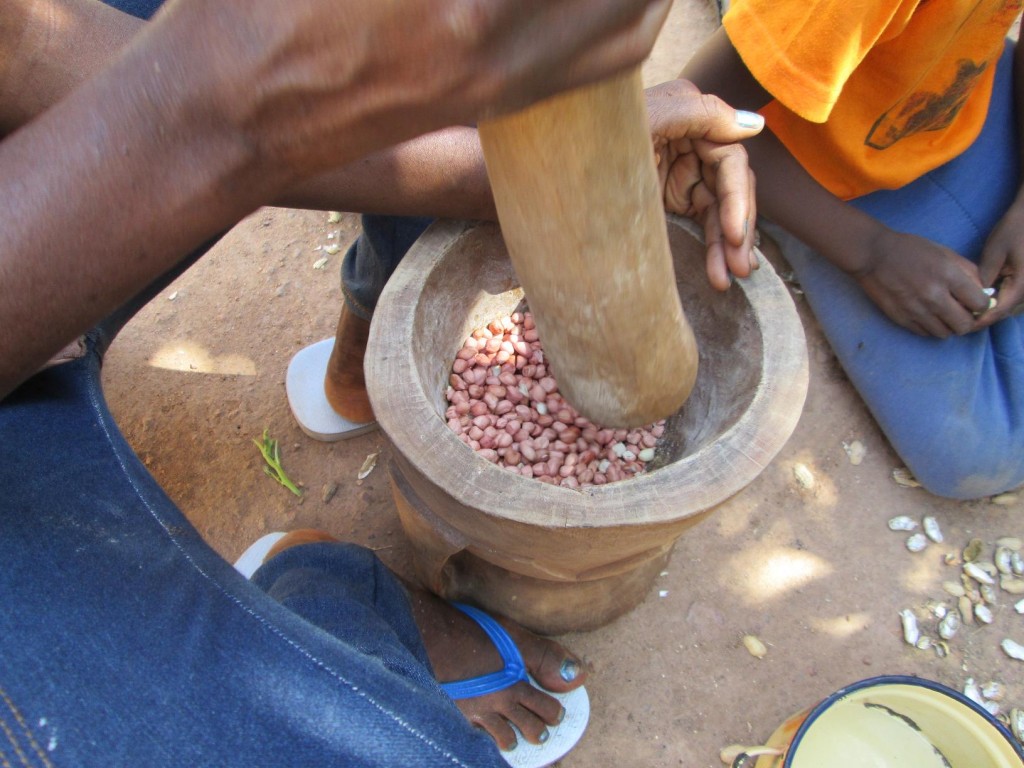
(374, 256)
(953, 409)
(125, 640)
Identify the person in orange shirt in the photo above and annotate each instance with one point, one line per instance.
(890, 176)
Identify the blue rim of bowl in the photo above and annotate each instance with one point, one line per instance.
(828, 701)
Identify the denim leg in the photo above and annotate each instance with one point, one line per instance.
(126, 641)
(953, 409)
(373, 257)
(143, 9)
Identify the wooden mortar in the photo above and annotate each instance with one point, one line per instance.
(551, 558)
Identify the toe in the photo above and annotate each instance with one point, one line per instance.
(534, 729)
(552, 665)
(545, 708)
(498, 728)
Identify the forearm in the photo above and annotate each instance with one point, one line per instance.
(105, 191)
(788, 195)
(50, 47)
(440, 174)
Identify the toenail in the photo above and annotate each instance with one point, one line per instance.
(570, 669)
(544, 736)
(561, 715)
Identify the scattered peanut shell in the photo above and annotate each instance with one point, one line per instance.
(368, 465)
(333, 217)
(978, 573)
(903, 478)
(972, 691)
(931, 529)
(988, 594)
(754, 646)
(328, 492)
(949, 625)
(1019, 606)
(804, 476)
(1005, 499)
(1013, 649)
(917, 542)
(902, 523)
(911, 632)
(993, 691)
(1004, 560)
(855, 451)
(1011, 585)
(1010, 542)
(320, 263)
(1017, 724)
(983, 613)
(973, 550)
(954, 588)
(966, 608)
(1017, 563)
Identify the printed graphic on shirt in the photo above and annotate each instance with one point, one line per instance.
(924, 111)
(949, 71)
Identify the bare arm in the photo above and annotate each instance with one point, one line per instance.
(50, 47)
(215, 109)
(1002, 260)
(439, 174)
(926, 288)
(786, 193)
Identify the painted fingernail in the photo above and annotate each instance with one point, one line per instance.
(989, 291)
(754, 263)
(569, 671)
(561, 715)
(544, 736)
(746, 119)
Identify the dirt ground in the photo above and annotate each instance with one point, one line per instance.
(815, 572)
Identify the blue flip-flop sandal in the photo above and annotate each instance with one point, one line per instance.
(561, 737)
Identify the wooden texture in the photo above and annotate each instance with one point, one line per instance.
(581, 211)
(552, 558)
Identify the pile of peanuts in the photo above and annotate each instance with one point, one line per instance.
(505, 405)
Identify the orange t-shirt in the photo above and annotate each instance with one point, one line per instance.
(871, 95)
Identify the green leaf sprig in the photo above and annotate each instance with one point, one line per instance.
(272, 455)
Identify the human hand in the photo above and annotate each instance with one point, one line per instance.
(705, 174)
(311, 81)
(1002, 265)
(921, 285)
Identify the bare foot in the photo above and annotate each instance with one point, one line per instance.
(458, 649)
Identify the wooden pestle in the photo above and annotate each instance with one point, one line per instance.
(581, 212)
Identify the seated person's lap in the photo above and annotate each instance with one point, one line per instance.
(951, 408)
